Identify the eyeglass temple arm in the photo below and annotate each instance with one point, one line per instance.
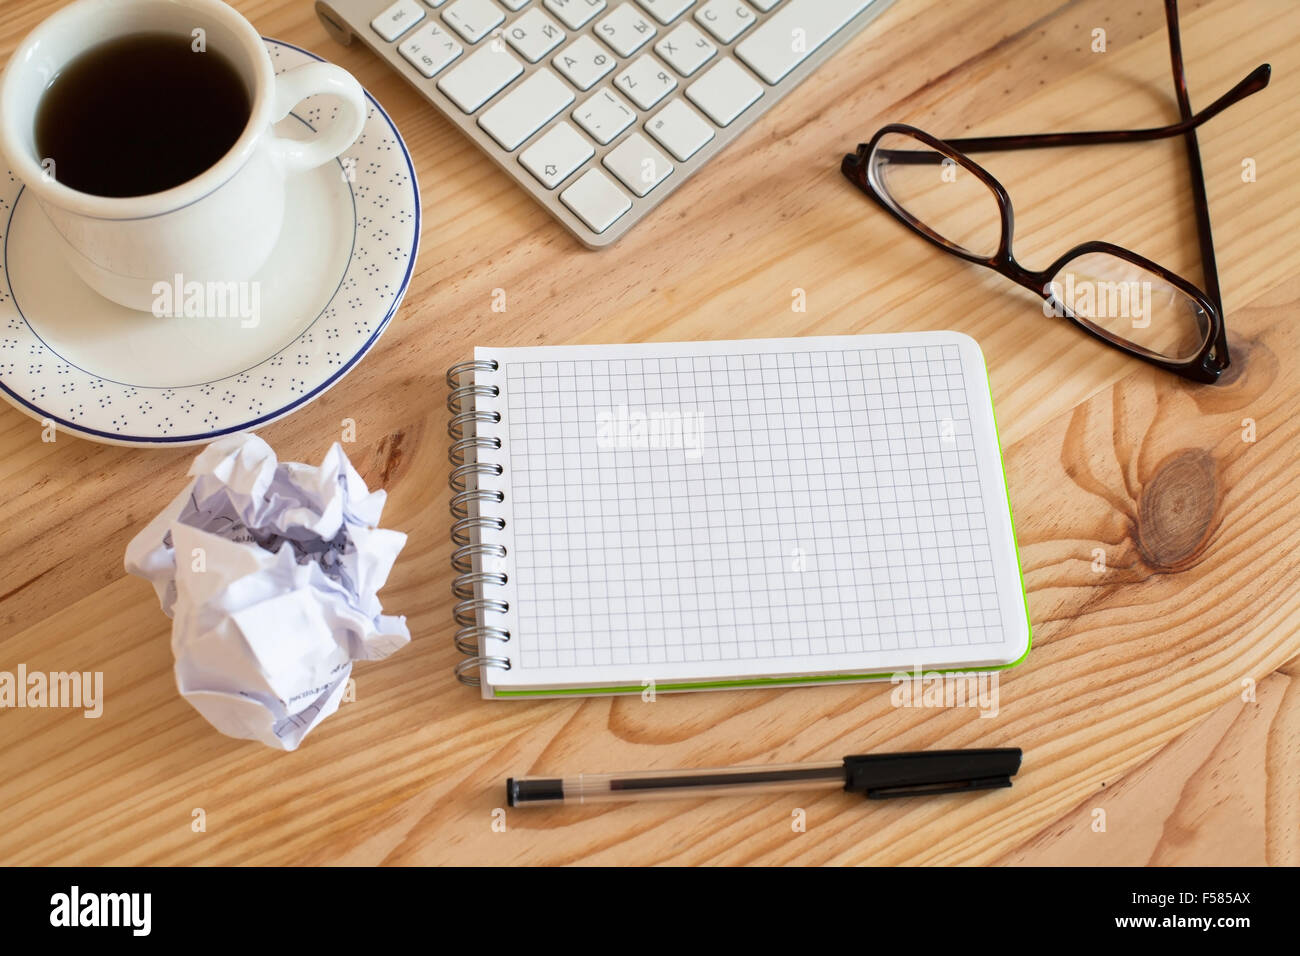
(1209, 267)
(1253, 83)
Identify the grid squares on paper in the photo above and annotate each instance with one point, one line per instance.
(764, 506)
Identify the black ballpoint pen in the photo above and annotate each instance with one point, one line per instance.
(877, 776)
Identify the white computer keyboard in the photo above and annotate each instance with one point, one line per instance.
(601, 108)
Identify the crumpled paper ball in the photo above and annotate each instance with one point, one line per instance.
(270, 573)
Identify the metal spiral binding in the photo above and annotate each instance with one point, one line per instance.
(467, 497)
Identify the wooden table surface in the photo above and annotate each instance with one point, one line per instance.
(1137, 696)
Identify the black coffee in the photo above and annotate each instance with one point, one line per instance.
(140, 114)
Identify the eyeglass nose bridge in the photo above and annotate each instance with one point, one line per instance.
(1002, 259)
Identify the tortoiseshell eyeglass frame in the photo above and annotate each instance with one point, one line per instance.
(1212, 358)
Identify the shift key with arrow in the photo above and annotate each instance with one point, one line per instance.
(557, 155)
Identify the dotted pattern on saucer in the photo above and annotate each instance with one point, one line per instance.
(386, 200)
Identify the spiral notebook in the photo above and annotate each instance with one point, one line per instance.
(705, 515)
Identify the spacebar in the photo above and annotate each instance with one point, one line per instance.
(768, 50)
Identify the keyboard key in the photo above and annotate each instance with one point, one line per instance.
(534, 35)
(575, 13)
(764, 5)
(686, 49)
(726, 19)
(525, 109)
(473, 19)
(595, 200)
(556, 154)
(510, 5)
(645, 81)
(430, 49)
(397, 19)
(604, 115)
(625, 31)
(681, 130)
(584, 61)
(482, 75)
(666, 11)
(768, 50)
(638, 164)
(724, 92)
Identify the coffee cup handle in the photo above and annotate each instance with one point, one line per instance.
(295, 85)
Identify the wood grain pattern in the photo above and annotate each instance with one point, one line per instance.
(1136, 671)
(1222, 793)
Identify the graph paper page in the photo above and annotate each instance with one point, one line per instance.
(719, 511)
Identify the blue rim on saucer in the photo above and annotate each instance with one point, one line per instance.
(41, 382)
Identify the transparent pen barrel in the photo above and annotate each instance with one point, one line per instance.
(664, 784)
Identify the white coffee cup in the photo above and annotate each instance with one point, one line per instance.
(220, 226)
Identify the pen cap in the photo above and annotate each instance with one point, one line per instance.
(930, 771)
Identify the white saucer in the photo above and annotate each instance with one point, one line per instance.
(109, 374)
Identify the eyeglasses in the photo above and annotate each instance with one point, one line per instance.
(1126, 300)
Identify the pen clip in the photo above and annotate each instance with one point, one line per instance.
(982, 783)
(925, 773)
